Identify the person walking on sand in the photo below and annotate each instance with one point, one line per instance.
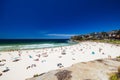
(19, 54)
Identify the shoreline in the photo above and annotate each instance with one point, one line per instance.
(31, 62)
(77, 42)
(39, 48)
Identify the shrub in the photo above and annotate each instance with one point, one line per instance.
(114, 77)
(118, 56)
(36, 75)
(119, 70)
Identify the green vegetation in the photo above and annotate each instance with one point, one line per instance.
(108, 41)
(118, 56)
(36, 75)
(116, 76)
(119, 70)
(109, 37)
(118, 59)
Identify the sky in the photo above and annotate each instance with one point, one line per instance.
(53, 19)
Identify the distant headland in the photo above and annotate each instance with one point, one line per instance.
(111, 36)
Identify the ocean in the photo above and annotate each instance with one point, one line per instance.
(18, 44)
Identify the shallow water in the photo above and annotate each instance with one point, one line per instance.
(17, 44)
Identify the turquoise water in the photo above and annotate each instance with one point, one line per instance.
(20, 44)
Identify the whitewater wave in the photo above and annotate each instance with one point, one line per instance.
(31, 46)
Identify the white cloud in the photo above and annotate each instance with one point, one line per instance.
(61, 35)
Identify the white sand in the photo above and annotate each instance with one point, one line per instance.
(76, 53)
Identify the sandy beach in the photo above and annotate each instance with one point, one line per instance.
(23, 64)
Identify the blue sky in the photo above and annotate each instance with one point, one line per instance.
(38, 19)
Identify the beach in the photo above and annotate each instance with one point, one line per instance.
(23, 64)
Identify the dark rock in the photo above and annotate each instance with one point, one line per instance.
(64, 75)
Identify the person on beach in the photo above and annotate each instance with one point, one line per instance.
(28, 67)
(43, 61)
(73, 58)
(6, 70)
(3, 60)
(36, 60)
(19, 54)
(109, 57)
(100, 49)
(2, 64)
(44, 54)
(33, 65)
(38, 55)
(60, 56)
(103, 53)
(0, 73)
(63, 52)
(60, 65)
